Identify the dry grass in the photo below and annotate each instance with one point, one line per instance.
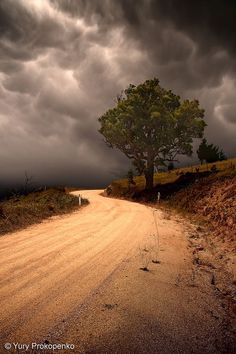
(120, 187)
(21, 211)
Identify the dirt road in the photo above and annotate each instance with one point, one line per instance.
(77, 279)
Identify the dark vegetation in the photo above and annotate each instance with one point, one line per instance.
(209, 152)
(168, 189)
(20, 211)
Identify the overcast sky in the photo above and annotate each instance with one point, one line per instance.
(62, 62)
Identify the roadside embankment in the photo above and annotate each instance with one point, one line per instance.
(207, 196)
(208, 200)
(21, 211)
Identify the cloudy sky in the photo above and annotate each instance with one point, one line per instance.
(62, 62)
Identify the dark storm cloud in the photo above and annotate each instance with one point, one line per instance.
(62, 62)
(211, 23)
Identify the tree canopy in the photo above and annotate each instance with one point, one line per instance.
(209, 152)
(152, 126)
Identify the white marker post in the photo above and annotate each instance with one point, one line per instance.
(80, 200)
(158, 197)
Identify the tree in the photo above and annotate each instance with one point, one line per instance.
(170, 166)
(27, 183)
(202, 151)
(151, 126)
(209, 152)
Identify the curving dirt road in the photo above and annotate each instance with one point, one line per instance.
(48, 269)
(57, 277)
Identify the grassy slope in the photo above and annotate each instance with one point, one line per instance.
(120, 187)
(19, 212)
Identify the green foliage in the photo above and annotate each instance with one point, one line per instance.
(209, 152)
(152, 126)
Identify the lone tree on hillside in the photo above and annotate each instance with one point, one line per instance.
(151, 126)
(209, 152)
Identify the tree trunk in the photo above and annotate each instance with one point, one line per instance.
(149, 174)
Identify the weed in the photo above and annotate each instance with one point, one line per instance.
(145, 259)
(155, 261)
(145, 269)
(150, 252)
(110, 306)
